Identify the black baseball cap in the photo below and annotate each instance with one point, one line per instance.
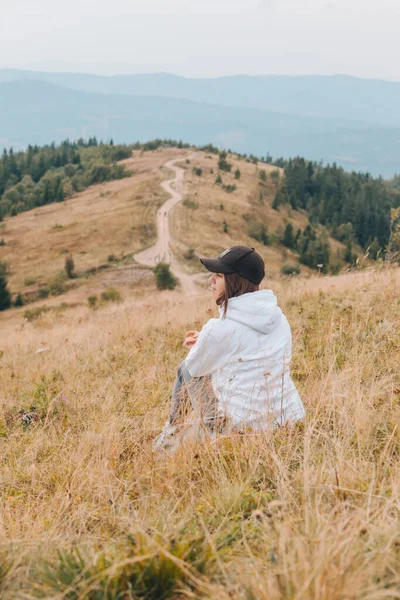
(243, 260)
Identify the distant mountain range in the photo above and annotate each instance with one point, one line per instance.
(352, 121)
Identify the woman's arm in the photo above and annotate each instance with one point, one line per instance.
(212, 348)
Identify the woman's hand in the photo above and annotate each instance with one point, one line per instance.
(190, 339)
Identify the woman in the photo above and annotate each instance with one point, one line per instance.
(237, 373)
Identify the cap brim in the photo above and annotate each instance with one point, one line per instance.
(215, 265)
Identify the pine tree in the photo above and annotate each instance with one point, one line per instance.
(263, 175)
(393, 251)
(288, 236)
(274, 175)
(5, 296)
(277, 201)
(70, 267)
(60, 192)
(293, 201)
(348, 253)
(237, 174)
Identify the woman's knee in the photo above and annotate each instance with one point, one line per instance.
(181, 369)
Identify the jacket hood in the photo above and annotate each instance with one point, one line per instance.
(258, 310)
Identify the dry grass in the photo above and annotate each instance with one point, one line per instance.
(309, 513)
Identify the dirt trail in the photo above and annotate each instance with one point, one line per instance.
(161, 251)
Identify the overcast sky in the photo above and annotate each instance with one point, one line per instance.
(201, 38)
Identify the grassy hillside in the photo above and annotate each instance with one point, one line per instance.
(104, 226)
(199, 222)
(88, 511)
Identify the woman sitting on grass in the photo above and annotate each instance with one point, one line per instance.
(237, 373)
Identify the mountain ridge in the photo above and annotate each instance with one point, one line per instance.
(55, 112)
(339, 96)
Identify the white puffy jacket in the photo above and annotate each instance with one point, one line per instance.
(248, 353)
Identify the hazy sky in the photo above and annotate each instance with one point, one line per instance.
(203, 37)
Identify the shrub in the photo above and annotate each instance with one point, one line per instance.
(223, 164)
(263, 175)
(189, 254)
(32, 314)
(190, 203)
(257, 230)
(218, 180)
(111, 295)
(290, 269)
(30, 281)
(197, 171)
(5, 267)
(57, 284)
(112, 258)
(2, 242)
(43, 292)
(226, 230)
(57, 288)
(93, 301)
(237, 174)
(70, 267)
(19, 300)
(165, 279)
(229, 188)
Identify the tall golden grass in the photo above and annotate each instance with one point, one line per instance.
(310, 512)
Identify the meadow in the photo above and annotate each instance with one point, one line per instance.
(304, 513)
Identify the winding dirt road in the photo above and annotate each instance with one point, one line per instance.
(161, 251)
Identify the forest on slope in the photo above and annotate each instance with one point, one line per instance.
(41, 175)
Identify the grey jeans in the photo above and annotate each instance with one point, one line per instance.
(201, 397)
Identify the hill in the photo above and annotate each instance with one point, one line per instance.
(104, 227)
(54, 113)
(101, 227)
(318, 216)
